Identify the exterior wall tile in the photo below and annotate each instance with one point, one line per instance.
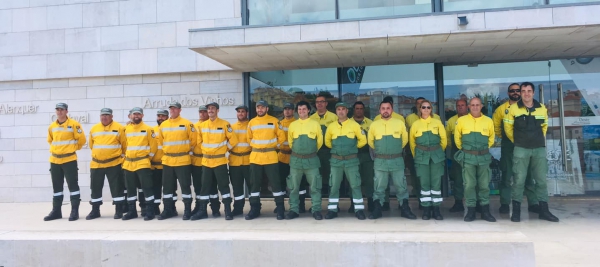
(137, 12)
(138, 61)
(101, 63)
(142, 89)
(104, 91)
(101, 14)
(14, 44)
(175, 10)
(47, 42)
(77, 82)
(29, 19)
(29, 67)
(5, 21)
(67, 93)
(83, 40)
(5, 68)
(120, 38)
(176, 59)
(188, 88)
(161, 78)
(65, 17)
(32, 95)
(158, 35)
(218, 9)
(65, 65)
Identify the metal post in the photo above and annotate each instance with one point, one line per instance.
(563, 138)
(245, 13)
(541, 88)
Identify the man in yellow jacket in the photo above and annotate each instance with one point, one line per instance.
(265, 135)
(284, 155)
(177, 137)
(108, 144)
(344, 137)
(455, 169)
(65, 136)
(239, 160)
(216, 138)
(197, 171)
(156, 162)
(141, 147)
(324, 117)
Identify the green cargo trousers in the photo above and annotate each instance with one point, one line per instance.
(430, 178)
(476, 184)
(294, 181)
(66, 171)
(381, 184)
(143, 177)
(238, 175)
(324, 155)
(532, 160)
(458, 190)
(506, 166)
(170, 177)
(113, 175)
(367, 174)
(157, 185)
(335, 180)
(221, 175)
(197, 182)
(256, 175)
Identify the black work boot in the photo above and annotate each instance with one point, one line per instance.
(360, 215)
(545, 213)
(437, 215)
(238, 207)
(280, 211)
(156, 208)
(486, 215)
(254, 211)
(125, 207)
(291, 215)
(535, 208)
(202, 213)
(74, 216)
(478, 207)
(174, 208)
(142, 203)
(351, 209)
(405, 211)
(132, 212)
(330, 215)
(56, 212)
(370, 204)
(215, 206)
(426, 213)
(196, 207)
(187, 210)
(458, 206)
(376, 213)
(118, 211)
(168, 211)
(302, 204)
(228, 213)
(470, 214)
(504, 209)
(317, 215)
(95, 213)
(516, 211)
(385, 206)
(149, 211)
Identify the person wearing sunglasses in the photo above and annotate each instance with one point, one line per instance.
(506, 156)
(427, 143)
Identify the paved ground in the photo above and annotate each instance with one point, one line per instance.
(574, 241)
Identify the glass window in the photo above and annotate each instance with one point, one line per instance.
(458, 5)
(555, 2)
(382, 8)
(274, 12)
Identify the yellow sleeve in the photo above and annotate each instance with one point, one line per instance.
(413, 139)
(79, 136)
(328, 134)
(545, 124)
(91, 142)
(509, 124)
(404, 135)
(443, 137)
(281, 137)
(378, 117)
(362, 139)
(498, 117)
(249, 133)
(458, 135)
(231, 137)
(199, 135)
(160, 137)
(319, 136)
(371, 137)
(152, 141)
(290, 134)
(50, 137)
(491, 138)
(193, 136)
(123, 140)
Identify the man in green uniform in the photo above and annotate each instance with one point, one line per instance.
(506, 158)
(324, 118)
(364, 156)
(304, 138)
(455, 169)
(525, 125)
(388, 137)
(344, 137)
(474, 135)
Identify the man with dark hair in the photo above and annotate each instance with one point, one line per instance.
(364, 156)
(506, 158)
(324, 118)
(239, 160)
(390, 99)
(197, 170)
(525, 125)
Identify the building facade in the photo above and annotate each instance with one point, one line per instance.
(121, 54)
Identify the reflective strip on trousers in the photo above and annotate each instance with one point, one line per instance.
(214, 196)
(278, 194)
(332, 207)
(239, 197)
(58, 194)
(157, 201)
(203, 197)
(132, 198)
(359, 207)
(226, 196)
(425, 199)
(186, 196)
(302, 192)
(334, 200)
(150, 198)
(255, 194)
(359, 200)
(425, 193)
(168, 196)
(141, 190)
(96, 200)
(437, 199)
(118, 198)
(433, 192)
(74, 193)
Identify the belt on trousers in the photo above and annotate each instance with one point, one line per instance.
(240, 154)
(353, 156)
(60, 156)
(305, 156)
(477, 152)
(177, 154)
(388, 156)
(105, 160)
(263, 149)
(154, 163)
(214, 156)
(136, 159)
(197, 155)
(428, 148)
(287, 152)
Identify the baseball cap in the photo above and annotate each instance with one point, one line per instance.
(288, 105)
(341, 104)
(262, 103)
(62, 106)
(106, 111)
(162, 112)
(202, 108)
(175, 104)
(242, 107)
(136, 110)
(213, 104)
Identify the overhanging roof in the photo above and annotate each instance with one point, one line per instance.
(490, 36)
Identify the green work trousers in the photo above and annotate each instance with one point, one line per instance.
(477, 184)
(256, 174)
(335, 180)
(506, 166)
(113, 175)
(221, 175)
(367, 173)
(294, 181)
(238, 175)
(430, 177)
(381, 183)
(530, 160)
(143, 177)
(324, 155)
(414, 180)
(157, 185)
(170, 177)
(197, 181)
(66, 171)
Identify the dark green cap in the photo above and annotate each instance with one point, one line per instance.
(262, 103)
(244, 107)
(62, 106)
(341, 104)
(136, 110)
(162, 112)
(106, 111)
(288, 105)
(214, 104)
(202, 108)
(175, 104)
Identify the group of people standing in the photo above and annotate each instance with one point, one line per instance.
(143, 163)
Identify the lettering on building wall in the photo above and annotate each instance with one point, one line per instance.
(188, 102)
(82, 118)
(23, 109)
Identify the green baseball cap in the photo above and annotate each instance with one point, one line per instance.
(262, 103)
(244, 107)
(136, 110)
(162, 112)
(341, 104)
(62, 106)
(214, 104)
(175, 104)
(288, 105)
(106, 111)
(202, 108)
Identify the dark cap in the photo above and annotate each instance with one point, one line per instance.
(175, 104)
(162, 112)
(202, 108)
(106, 111)
(136, 110)
(62, 106)
(244, 107)
(388, 98)
(214, 104)
(288, 105)
(341, 104)
(262, 103)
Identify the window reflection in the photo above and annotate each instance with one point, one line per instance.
(274, 12)
(458, 5)
(382, 8)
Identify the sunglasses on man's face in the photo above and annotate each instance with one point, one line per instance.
(425, 107)
(514, 91)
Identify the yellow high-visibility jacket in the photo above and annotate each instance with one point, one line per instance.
(64, 140)
(240, 154)
(141, 146)
(197, 152)
(410, 119)
(216, 138)
(265, 135)
(178, 138)
(285, 151)
(108, 144)
(156, 160)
